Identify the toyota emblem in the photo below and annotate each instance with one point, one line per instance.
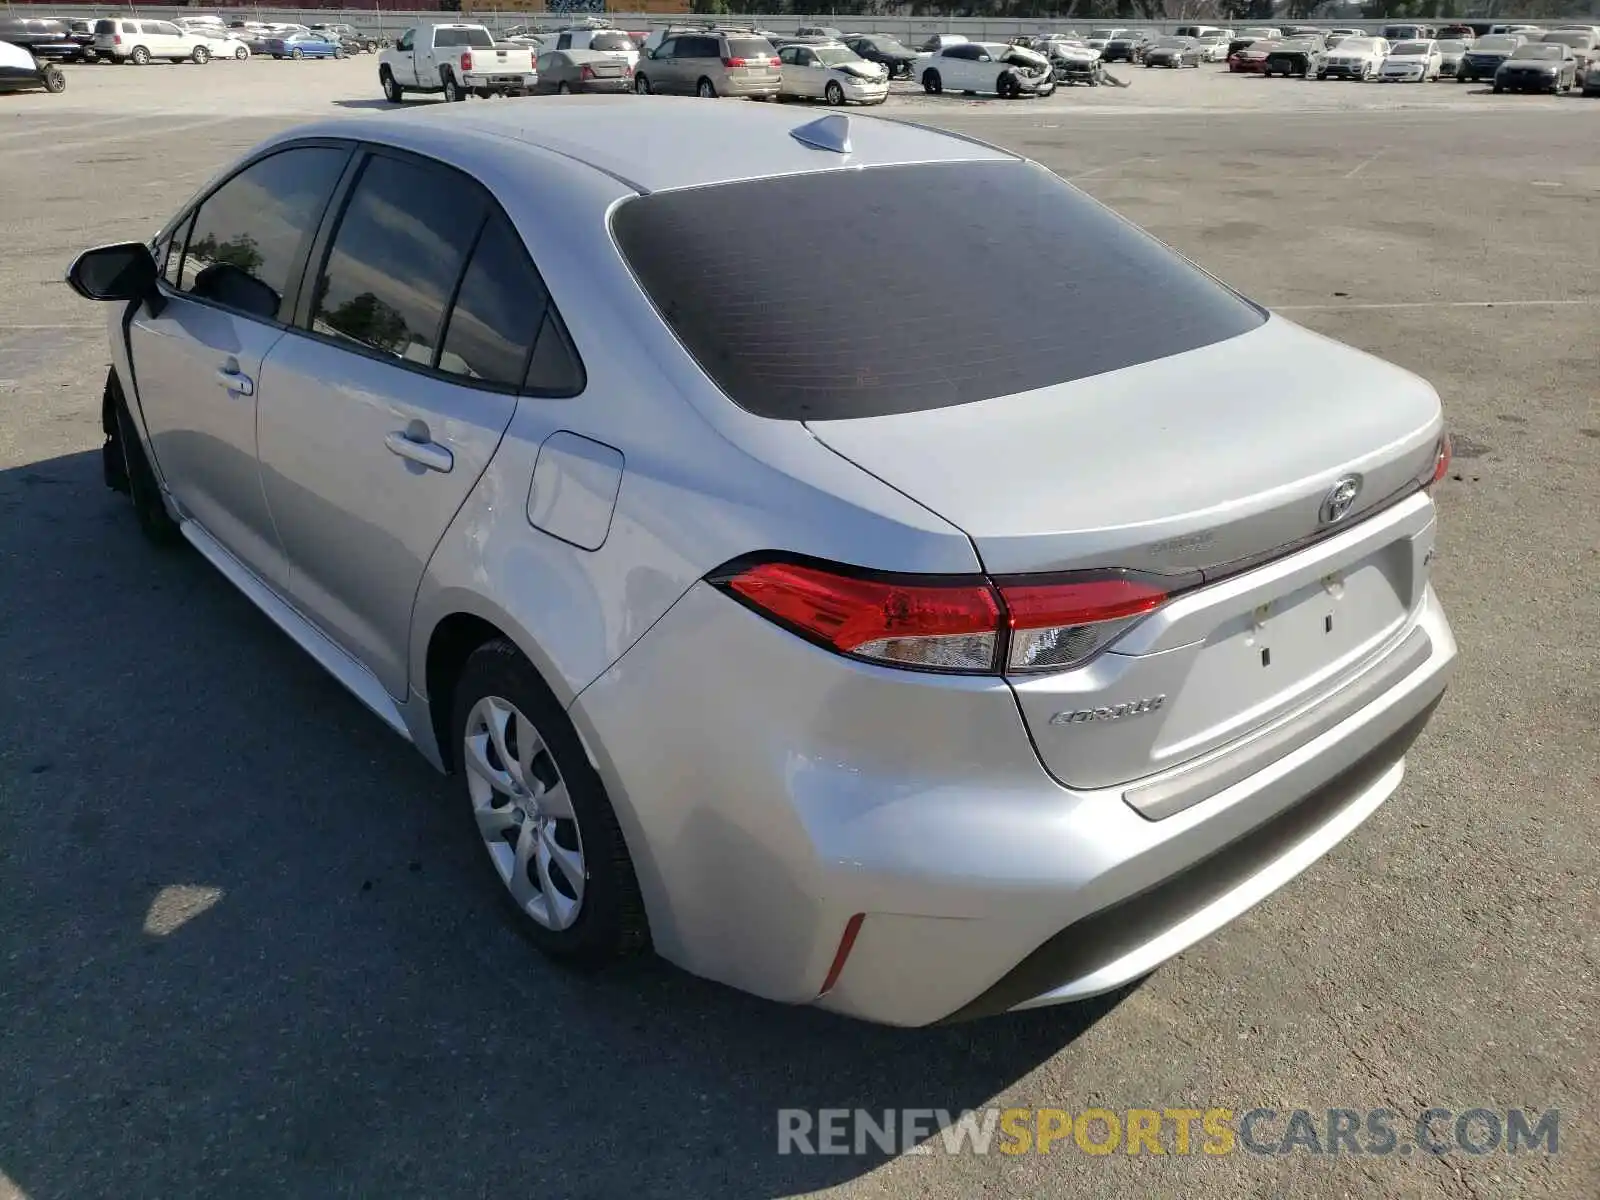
(1336, 505)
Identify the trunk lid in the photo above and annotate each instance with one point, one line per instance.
(1212, 464)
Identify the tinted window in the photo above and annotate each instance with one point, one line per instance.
(611, 41)
(260, 220)
(476, 38)
(564, 42)
(169, 30)
(396, 257)
(1078, 291)
(498, 311)
(749, 48)
(698, 47)
(105, 26)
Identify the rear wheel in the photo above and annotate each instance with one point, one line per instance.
(705, 89)
(139, 56)
(834, 93)
(452, 90)
(542, 814)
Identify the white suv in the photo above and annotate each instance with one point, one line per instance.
(138, 41)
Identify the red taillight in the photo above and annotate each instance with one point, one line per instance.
(1441, 462)
(964, 623)
(948, 625)
(774, 61)
(1054, 625)
(847, 942)
(116, 40)
(466, 60)
(587, 72)
(734, 62)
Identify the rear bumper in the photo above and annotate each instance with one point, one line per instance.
(770, 791)
(499, 80)
(767, 86)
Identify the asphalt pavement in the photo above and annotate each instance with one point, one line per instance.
(246, 948)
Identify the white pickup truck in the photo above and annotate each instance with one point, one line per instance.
(456, 59)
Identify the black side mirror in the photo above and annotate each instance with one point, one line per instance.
(125, 271)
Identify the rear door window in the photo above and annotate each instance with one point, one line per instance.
(1067, 288)
(396, 258)
(503, 319)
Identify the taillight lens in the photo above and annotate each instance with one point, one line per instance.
(733, 62)
(1441, 463)
(1055, 625)
(774, 61)
(586, 73)
(938, 625)
(963, 623)
(466, 60)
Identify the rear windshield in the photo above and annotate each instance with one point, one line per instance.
(477, 38)
(750, 48)
(611, 41)
(1571, 39)
(1496, 44)
(880, 325)
(1410, 48)
(105, 26)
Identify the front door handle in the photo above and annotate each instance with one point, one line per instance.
(236, 382)
(421, 451)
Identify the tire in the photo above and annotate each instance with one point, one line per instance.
(452, 90)
(641, 86)
(142, 489)
(833, 93)
(241, 54)
(563, 88)
(931, 83)
(139, 56)
(338, 51)
(54, 79)
(608, 922)
(297, 53)
(201, 56)
(392, 91)
(1498, 89)
(705, 89)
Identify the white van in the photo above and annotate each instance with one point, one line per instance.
(125, 39)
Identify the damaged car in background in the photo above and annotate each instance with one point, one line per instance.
(1074, 61)
(988, 67)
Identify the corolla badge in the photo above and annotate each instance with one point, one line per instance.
(1114, 712)
(1336, 505)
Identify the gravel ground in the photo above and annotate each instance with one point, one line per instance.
(245, 945)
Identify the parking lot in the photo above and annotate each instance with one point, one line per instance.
(243, 941)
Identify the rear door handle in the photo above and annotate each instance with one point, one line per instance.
(425, 454)
(237, 383)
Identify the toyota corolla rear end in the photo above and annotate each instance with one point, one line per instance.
(1181, 653)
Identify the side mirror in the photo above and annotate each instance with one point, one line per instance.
(125, 271)
(397, 44)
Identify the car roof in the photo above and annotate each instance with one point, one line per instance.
(657, 143)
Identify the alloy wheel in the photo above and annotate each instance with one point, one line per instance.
(524, 813)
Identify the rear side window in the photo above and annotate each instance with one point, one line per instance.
(259, 223)
(698, 47)
(1066, 288)
(503, 318)
(395, 259)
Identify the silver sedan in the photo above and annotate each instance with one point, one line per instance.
(890, 637)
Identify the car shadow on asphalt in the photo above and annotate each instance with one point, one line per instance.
(248, 937)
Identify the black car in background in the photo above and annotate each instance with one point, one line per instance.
(884, 50)
(47, 40)
(1538, 67)
(1129, 47)
(1484, 56)
(1302, 58)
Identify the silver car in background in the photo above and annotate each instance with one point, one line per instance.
(913, 653)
